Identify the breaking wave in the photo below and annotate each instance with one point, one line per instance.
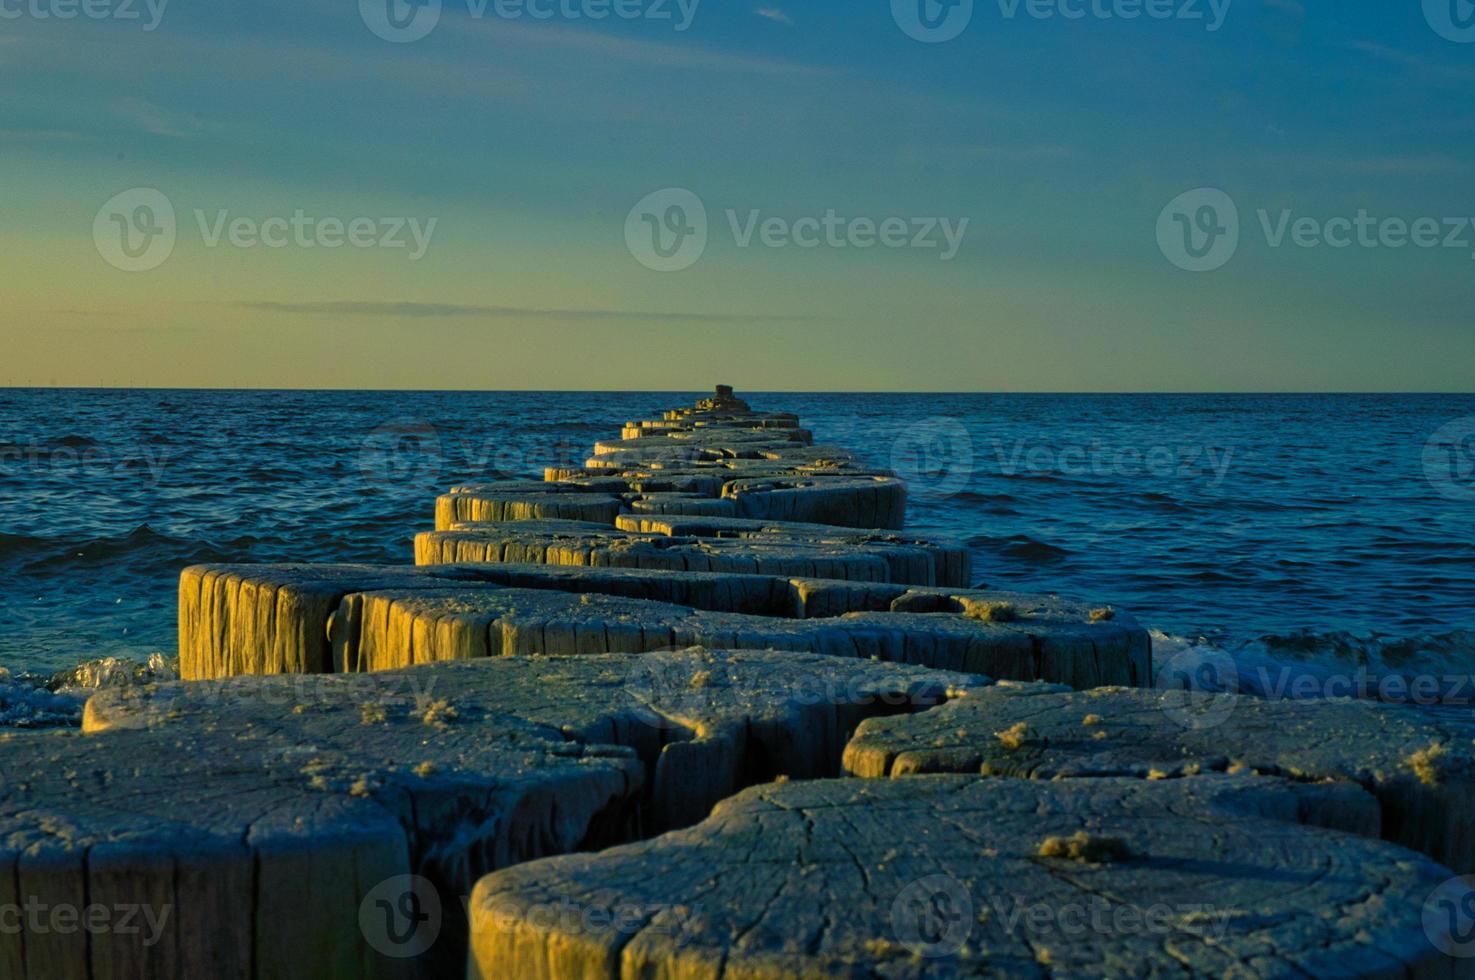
(1436, 668)
(38, 701)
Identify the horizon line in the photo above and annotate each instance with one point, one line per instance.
(739, 391)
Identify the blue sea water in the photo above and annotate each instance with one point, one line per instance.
(1330, 528)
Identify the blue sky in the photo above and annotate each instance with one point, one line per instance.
(1059, 141)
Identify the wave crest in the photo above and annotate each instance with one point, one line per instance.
(1426, 669)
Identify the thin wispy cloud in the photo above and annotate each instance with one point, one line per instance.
(1413, 62)
(483, 312)
(186, 59)
(776, 15)
(154, 119)
(1404, 166)
(926, 154)
(1025, 151)
(1411, 165)
(45, 135)
(648, 54)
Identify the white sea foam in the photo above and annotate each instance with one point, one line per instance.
(34, 701)
(1433, 669)
(26, 704)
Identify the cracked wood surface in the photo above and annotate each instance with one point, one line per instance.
(263, 810)
(263, 838)
(941, 876)
(281, 619)
(1427, 793)
(767, 550)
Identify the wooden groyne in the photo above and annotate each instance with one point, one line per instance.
(703, 707)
